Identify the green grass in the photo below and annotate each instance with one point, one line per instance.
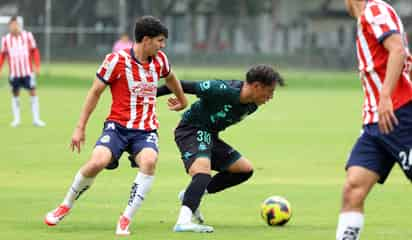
(298, 144)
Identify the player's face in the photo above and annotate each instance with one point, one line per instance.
(14, 27)
(263, 93)
(155, 44)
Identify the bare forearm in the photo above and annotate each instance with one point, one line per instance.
(174, 85)
(395, 66)
(90, 103)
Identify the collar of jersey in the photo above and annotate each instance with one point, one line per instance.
(134, 57)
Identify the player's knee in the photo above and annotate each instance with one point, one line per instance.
(148, 163)
(353, 194)
(93, 167)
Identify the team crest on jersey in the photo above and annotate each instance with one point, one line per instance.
(144, 89)
(105, 139)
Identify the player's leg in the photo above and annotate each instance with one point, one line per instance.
(108, 149)
(30, 85)
(359, 181)
(200, 173)
(195, 146)
(84, 178)
(144, 150)
(368, 164)
(15, 101)
(237, 173)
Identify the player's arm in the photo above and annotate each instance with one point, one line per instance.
(397, 56)
(3, 56)
(35, 54)
(174, 85)
(188, 87)
(90, 103)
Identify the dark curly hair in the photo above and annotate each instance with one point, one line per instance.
(149, 26)
(264, 74)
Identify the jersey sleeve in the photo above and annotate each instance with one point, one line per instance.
(164, 64)
(212, 89)
(32, 41)
(3, 48)
(379, 22)
(108, 72)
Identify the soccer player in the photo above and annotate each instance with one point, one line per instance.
(132, 76)
(19, 48)
(221, 103)
(386, 139)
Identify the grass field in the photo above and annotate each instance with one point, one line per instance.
(298, 144)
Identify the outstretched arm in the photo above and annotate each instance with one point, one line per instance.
(189, 87)
(90, 103)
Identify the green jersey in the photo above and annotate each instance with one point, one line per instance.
(218, 106)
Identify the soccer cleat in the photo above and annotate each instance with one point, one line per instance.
(39, 123)
(15, 123)
(197, 216)
(122, 228)
(54, 217)
(193, 227)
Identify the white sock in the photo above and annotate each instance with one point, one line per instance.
(80, 184)
(15, 107)
(350, 226)
(35, 108)
(141, 186)
(185, 215)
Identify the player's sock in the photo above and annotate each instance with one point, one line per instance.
(80, 185)
(349, 226)
(35, 108)
(15, 106)
(141, 186)
(195, 191)
(185, 215)
(223, 180)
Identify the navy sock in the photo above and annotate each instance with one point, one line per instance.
(195, 190)
(223, 180)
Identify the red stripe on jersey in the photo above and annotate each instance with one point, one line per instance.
(165, 64)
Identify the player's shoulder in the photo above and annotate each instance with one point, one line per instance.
(160, 53)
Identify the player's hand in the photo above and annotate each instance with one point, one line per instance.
(387, 119)
(174, 104)
(36, 70)
(78, 139)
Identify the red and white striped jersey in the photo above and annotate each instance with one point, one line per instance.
(133, 86)
(378, 21)
(19, 49)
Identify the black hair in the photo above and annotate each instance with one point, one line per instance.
(264, 74)
(13, 19)
(149, 26)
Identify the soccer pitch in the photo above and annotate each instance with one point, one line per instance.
(298, 144)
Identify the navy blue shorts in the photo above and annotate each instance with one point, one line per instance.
(120, 139)
(28, 82)
(379, 152)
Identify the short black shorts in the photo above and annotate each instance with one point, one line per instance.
(27, 82)
(194, 142)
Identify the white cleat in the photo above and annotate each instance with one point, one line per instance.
(39, 123)
(193, 227)
(15, 123)
(197, 216)
(54, 217)
(122, 228)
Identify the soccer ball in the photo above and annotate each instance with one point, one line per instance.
(276, 211)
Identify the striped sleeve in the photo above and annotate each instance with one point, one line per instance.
(108, 71)
(3, 45)
(164, 64)
(381, 23)
(32, 41)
